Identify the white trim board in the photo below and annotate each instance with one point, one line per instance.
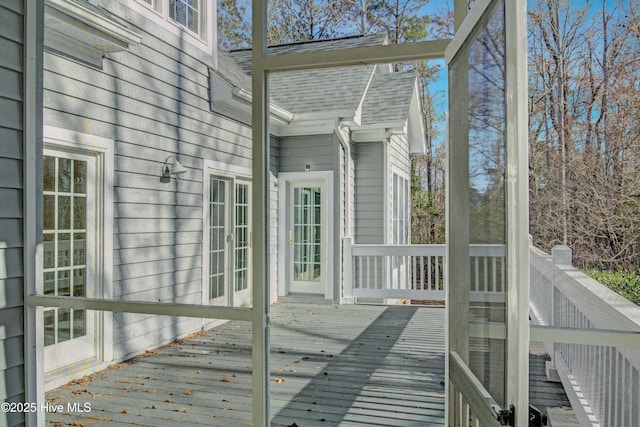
(103, 150)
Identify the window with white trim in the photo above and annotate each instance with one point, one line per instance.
(400, 214)
(186, 13)
(192, 15)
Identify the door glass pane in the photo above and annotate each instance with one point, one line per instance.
(217, 224)
(64, 212)
(79, 177)
(49, 327)
(307, 231)
(242, 238)
(487, 232)
(64, 324)
(64, 268)
(49, 172)
(64, 175)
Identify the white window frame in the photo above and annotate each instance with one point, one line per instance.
(102, 150)
(205, 39)
(400, 198)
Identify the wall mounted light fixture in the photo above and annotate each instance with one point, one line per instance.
(173, 170)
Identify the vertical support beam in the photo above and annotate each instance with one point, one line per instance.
(260, 217)
(457, 262)
(32, 206)
(457, 273)
(517, 209)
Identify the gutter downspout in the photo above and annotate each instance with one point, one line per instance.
(343, 137)
(345, 280)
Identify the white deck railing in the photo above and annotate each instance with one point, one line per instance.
(417, 271)
(603, 382)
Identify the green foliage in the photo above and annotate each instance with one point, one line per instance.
(427, 213)
(622, 282)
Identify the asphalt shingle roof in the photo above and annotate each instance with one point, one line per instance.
(387, 98)
(229, 69)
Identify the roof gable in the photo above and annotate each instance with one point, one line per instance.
(364, 97)
(389, 98)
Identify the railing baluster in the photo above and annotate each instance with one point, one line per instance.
(429, 258)
(485, 267)
(375, 276)
(503, 288)
(476, 261)
(494, 266)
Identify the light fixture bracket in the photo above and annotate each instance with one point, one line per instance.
(171, 170)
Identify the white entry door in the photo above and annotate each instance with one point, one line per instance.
(305, 229)
(68, 265)
(228, 238)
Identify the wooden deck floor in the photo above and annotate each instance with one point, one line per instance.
(330, 366)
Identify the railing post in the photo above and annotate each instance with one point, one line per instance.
(561, 257)
(347, 270)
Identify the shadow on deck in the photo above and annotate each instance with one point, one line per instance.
(330, 366)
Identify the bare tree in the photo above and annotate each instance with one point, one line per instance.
(584, 139)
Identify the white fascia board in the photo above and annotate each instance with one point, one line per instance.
(306, 127)
(397, 126)
(368, 135)
(343, 115)
(275, 110)
(110, 27)
(415, 125)
(358, 112)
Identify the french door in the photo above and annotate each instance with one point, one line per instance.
(228, 237)
(488, 207)
(305, 223)
(69, 255)
(307, 228)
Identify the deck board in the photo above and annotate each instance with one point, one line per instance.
(330, 365)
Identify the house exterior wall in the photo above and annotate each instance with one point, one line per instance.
(369, 193)
(399, 156)
(12, 386)
(153, 102)
(317, 151)
(321, 153)
(400, 163)
(274, 218)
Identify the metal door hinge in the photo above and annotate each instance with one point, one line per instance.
(537, 418)
(506, 417)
